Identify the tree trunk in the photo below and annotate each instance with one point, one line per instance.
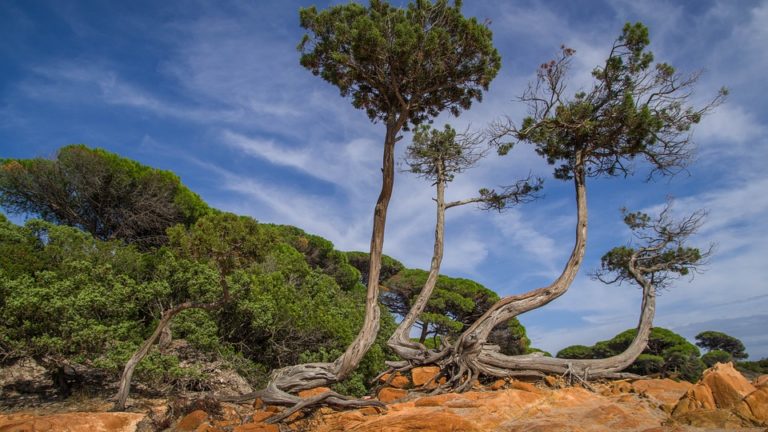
(310, 375)
(511, 306)
(138, 356)
(400, 341)
(424, 333)
(494, 363)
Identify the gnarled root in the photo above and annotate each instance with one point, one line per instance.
(297, 378)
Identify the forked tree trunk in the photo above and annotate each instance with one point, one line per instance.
(494, 363)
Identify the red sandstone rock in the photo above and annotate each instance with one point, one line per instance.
(727, 384)
(422, 375)
(400, 382)
(761, 381)
(305, 394)
(497, 385)
(698, 397)
(524, 386)
(756, 404)
(389, 394)
(662, 391)
(71, 422)
(192, 420)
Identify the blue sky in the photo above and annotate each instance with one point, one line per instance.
(214, 92)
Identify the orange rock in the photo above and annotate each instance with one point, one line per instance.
(717, 418)
(498, 384)
(256, 427)
(761, 381)
(305, 394)
(389, 394)
(205, 427)
(258, 403)
(524, 386)
(400, 382)
(367, 411)
(550, 380)
(192, 420)
(439, 421)
(422, 375)
(757, 402)
(663, 391)
(261, 416)
(697, 397)
(71, 422)
(727, 384)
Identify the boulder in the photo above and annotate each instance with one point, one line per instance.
(305, 394)
(390, 394)
(761, 381)
(663, 391)
(755, 404)
(497, 385)
(192, 421)
(422, 375)
(400, 382)
(718, 418)
(698, 397)
(727, 384)
(71, 422)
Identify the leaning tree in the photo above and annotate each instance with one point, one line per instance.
(438, 156)
(635, 109)
(403, 66)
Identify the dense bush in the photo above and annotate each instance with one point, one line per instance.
(66, 296)
(100, 192)
(667, 353)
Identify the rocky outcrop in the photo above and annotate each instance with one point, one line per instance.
(642, 405)
(723, 398)
(728, 386)
(72, 422)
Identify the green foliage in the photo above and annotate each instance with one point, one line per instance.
(65, 295)
(511, 338)
(634, 110)
(716, 356)
(713, 340)
(389, 266)
(537, 350)
(667, 353)
(647, 364)
(100, 192)
(576, 352)
(454, 303)
(759, 366)
(414, 62)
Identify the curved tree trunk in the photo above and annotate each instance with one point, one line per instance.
(494, 363)
(400, 341)
(299, 377)
(509, 307)
(138, 356)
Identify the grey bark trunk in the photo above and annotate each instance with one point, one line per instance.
(400, 341)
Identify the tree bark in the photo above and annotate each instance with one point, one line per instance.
(511, 306)
(400, 341)
(299, 377)
(497, 363)
(138, 356)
